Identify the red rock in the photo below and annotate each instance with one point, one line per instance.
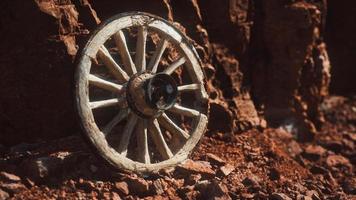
(337, 160)
(189, 167)
(115, 196)
(247, 196)
(313, 194)
(314, 152)
(160, 186)
(122, 187)
(86, 185)
(215, 191)
(215, 160)
(7, 177)
(4, 195)
(251, 180)
(280, 196)
(193, 179)
(226, 169)
(137, 185)
(13, 187)
(294, 148)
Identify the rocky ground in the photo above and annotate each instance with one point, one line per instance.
(268, 164)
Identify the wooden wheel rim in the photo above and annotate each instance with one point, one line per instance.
(95, 135)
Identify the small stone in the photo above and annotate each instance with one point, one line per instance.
(137, 185)
(187, 192)
(251, 181)
(294, 148)
(13, 188)
(87, 186)
(189, 167)
(247, 196)
(313, 152)
(4, 195)
(7, 177)
(29, 183)
(216, 191)
(302, 197)
(313, 194)
(280, 196)
(215, 160)
(351, 136)
(193, 179)
(226, 169)
(202, 185)
(160, 186)
(122, 188)
(337, 160)
(115, 196)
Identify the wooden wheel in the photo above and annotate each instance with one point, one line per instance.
(141, 116)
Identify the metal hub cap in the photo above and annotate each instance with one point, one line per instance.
(150, 95)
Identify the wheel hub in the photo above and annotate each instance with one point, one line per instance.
(148, 95)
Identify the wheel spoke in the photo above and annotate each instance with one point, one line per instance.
(161, 47)
(158, 139)
(126, 135)
(169, 70)
(187, 88)
(104, 84)
(104, 103)
(120, 41)
(117, 119)
(140, 57)
(110, 63)
(142, 143)
(178, 109)
(168, 124)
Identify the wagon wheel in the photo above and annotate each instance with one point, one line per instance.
(141, 116)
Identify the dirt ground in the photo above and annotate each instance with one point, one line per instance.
(267, 164)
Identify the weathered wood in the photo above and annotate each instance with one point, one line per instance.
(161, 47)
(141, 162)
(124, 52)
(117, 119)
(126, 134)
(104, 84)
(110, 63)
(168, 124)
(190, 87)
(142, 142)
(158, 139)
(174, 66)
(140, 57)
(181, 110)
(104, 103)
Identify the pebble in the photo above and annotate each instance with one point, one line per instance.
(313, 152)
(280, 196)
(215, 160)
(226, 169)
(189, 167)
(337, 160)
(3, 194)
(7, 177)
(122, 187)
(13, 187)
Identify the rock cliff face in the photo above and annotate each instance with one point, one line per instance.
(263, 60)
